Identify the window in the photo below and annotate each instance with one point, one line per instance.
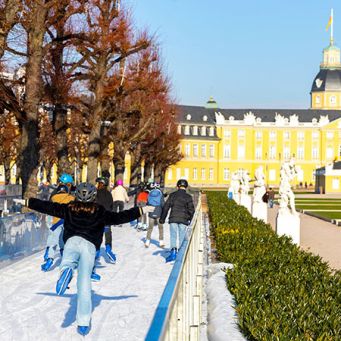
(210, 174)
(211, 150)
(315, 135)
(179, 129)
(258, 152)
(300, 152)
(186, 176)
(204, 118)
(286, 135)
(188, 117)
(203, 173)
(300, 135)
(259, 135)
(339, 154)
(227, 151)
(186, 130)
(226, 173)
(336, 183)
(329, 153)
(272, 174)
(211, 131)
(187, 149)
(195, 130)
(315, 153)
(178, 173)
(330, 135)
(195, 174)
(227, 133)
(169, 174)
(241, 151)
(241, 133)
(332, 99)
(286, 153)
(317, 100)
(203, 150)
(273, 135)
(272, 152)
(203, 131)
(195, 150)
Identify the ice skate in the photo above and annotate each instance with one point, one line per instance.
(63, 281)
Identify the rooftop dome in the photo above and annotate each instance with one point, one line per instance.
(327, 80)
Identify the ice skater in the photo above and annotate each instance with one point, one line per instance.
(84, 222)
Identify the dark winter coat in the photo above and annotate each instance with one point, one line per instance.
(104, 198)
(181, 208)
(89, 226)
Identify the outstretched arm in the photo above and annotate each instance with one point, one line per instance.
(47, 207)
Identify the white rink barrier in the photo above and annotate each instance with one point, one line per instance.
(179, 314)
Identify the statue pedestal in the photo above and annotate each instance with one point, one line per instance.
(288, 224)
(245, 200)
(260, 211)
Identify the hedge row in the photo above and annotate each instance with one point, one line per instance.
(281, 292)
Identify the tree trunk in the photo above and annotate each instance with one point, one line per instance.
(147, 171)
(7, 167)
(60, 127)
(118, 159)
(29, 139)
(157, 173)
(94, 150)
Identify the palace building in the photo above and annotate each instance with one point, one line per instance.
(217, 142)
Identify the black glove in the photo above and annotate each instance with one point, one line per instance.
(161, 221)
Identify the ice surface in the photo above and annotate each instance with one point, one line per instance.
(124, 300)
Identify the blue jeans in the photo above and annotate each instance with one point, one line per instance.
(175, 230)
(55, 240)
(80, 253)
(271, 203)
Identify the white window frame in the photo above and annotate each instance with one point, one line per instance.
(241, 151)
(227, 151)
(272, 174)
(195, 130)
(186, 132)
(211, 133)
(203, 131)
(195, 173)
(169, 174)
(226, 174)
(227, 133)
(211, 174)
(300, 152)
(272, 152)
(259, 135)
(241, 133)
(186, 173)
(187, 149)
(178, 173)
(329, 153)
(203, 174)
(273, 135)
(258, 152)
(335, 183)
(195, 150)
(203, 150)
(211, 150)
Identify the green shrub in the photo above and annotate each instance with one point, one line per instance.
(281, 292)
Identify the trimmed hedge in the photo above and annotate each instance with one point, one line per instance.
(281, 292)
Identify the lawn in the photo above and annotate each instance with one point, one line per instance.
(328, 215)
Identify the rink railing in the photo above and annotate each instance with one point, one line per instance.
(178, 315)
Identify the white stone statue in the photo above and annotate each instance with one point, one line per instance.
(287, 173)
(244, 183)
(234, 185)
(259, 186)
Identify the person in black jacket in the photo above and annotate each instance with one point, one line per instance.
(84, 222)
(104, 198)
(181, 213)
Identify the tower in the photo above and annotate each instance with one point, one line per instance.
(326, 88)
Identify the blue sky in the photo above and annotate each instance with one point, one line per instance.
(246, 53)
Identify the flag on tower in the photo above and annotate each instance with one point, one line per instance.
(329, 22)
